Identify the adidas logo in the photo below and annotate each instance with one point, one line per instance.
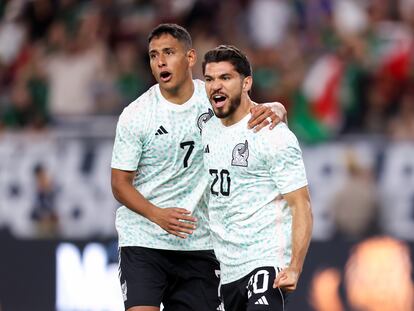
(262, 301)
(207, 149)
(161, 131)
(220, 307)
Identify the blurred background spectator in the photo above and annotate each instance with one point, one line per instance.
(44, 211)
(401, 126)
(354, 206)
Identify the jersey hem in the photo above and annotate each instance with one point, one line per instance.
(123, 167)
(295, 187)
(242, 270)
(197, 248)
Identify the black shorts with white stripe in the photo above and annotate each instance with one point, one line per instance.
(181, 280)
(254, 292)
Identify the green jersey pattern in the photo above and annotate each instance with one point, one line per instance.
(161, 141)
(250, 223)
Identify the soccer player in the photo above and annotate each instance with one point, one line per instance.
(259, 205)
(157, 174)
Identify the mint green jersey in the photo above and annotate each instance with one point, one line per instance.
(161, 141)
(251, 225)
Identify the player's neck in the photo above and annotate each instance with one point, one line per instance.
(241, 111)
(180, 94)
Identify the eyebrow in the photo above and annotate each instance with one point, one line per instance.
(163, 50)
(223, 75)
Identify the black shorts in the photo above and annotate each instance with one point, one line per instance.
(181, 280)
(254, 292)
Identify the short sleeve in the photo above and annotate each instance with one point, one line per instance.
(284, 158)
(127, 146)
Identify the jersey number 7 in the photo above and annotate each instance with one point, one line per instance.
(190, 145)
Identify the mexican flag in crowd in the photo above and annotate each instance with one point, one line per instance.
(330, 89)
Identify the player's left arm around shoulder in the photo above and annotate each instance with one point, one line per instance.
(302, 223)
(267, 113)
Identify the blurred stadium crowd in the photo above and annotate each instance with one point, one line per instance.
(340, 67)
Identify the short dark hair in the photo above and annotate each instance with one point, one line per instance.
(229, 53)
(176, 31)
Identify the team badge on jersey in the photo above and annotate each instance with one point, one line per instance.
(240, 154)
(203, 118)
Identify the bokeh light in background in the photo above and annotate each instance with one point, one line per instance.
(377, 278)
(343, 68)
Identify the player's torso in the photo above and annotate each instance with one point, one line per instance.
(171, 163)
(239, 177)
(243, 208)
(170, 170)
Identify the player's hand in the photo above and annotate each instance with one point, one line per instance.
(263, 113)
(176, 221)
(287, 279)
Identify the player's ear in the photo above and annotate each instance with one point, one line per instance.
(247, 83)
(192, 57)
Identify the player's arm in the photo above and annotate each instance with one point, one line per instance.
(302, 222)
(262, 112)
(170, 219)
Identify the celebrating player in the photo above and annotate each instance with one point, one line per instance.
(259, 205)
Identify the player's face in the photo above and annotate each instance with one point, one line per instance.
(170, 62)
(224, 87)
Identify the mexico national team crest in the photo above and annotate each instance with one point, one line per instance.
(203, 118)
(240, 154)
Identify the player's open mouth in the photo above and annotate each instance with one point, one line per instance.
(219, 100)
(165, 76)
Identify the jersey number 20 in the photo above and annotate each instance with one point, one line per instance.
(225, 182)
